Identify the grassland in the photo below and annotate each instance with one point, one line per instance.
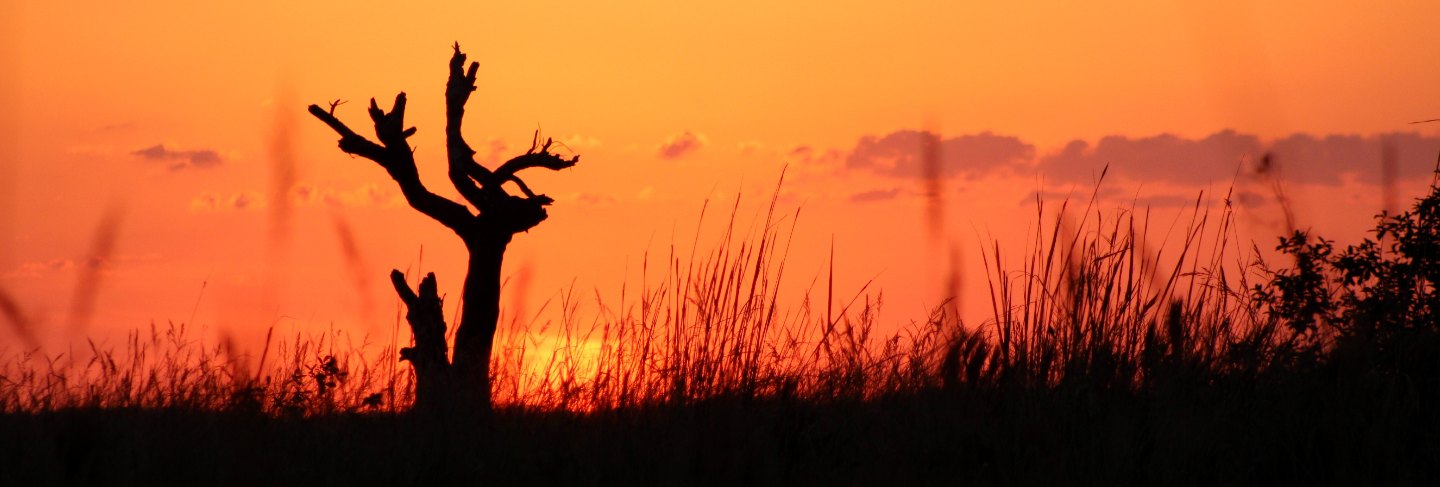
(1107, 360)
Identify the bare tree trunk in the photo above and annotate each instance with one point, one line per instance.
(433, 378)
(475, 340)
(464, 384)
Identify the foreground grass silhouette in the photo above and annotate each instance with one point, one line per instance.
(1104, 363)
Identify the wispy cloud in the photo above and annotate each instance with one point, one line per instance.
(369, 194)
(180, 159)
(35, 269)
(809, 156)
(875, 195)
(495, 152)
(47, 268)
(249, 200)
(749, 147)
(681, 145)
(589, 198)
(301, 195)
(579, 141)
(117, 127)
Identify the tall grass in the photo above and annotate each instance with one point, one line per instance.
(1109, 357)
(710, 325)
(166, 368)
(1093, 302)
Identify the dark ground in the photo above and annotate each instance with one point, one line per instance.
(1282, 435)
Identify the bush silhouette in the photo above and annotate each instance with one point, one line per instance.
(1374, 305)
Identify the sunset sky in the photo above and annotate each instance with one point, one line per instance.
(160, 166)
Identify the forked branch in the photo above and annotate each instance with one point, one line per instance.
(464, 172)
(538, 156)
(481, 187)
(397, 158)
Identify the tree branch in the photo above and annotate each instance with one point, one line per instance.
(397, 159)
(538, 156)
(461, 157)
(351, 142)
(481, 187)
(534, 158)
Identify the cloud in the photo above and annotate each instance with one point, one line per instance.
(1311, 159)
(1162, 157)
(93, 263)
(595, 199)
(368, 194)
(244, 200)
(1165, 158)
(749, 147)
(680, 145)
(1301, 158)
(579, 141)
(302, 194)
(236, 202)
(902, 153)
(180, 159)
(117, 127)
(37, 268)
(876, 195)
(495, 151)
(805, 155)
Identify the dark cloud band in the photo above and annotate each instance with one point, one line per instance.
(180, 159)
(1301, 158)
(907, 152)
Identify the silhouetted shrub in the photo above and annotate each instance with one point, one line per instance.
(1372, 305)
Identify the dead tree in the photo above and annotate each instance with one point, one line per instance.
(461, 384)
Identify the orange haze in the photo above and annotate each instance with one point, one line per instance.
(158, 165)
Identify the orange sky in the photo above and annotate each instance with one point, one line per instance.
(184, 123)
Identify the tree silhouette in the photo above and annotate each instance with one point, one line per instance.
(464, 382)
